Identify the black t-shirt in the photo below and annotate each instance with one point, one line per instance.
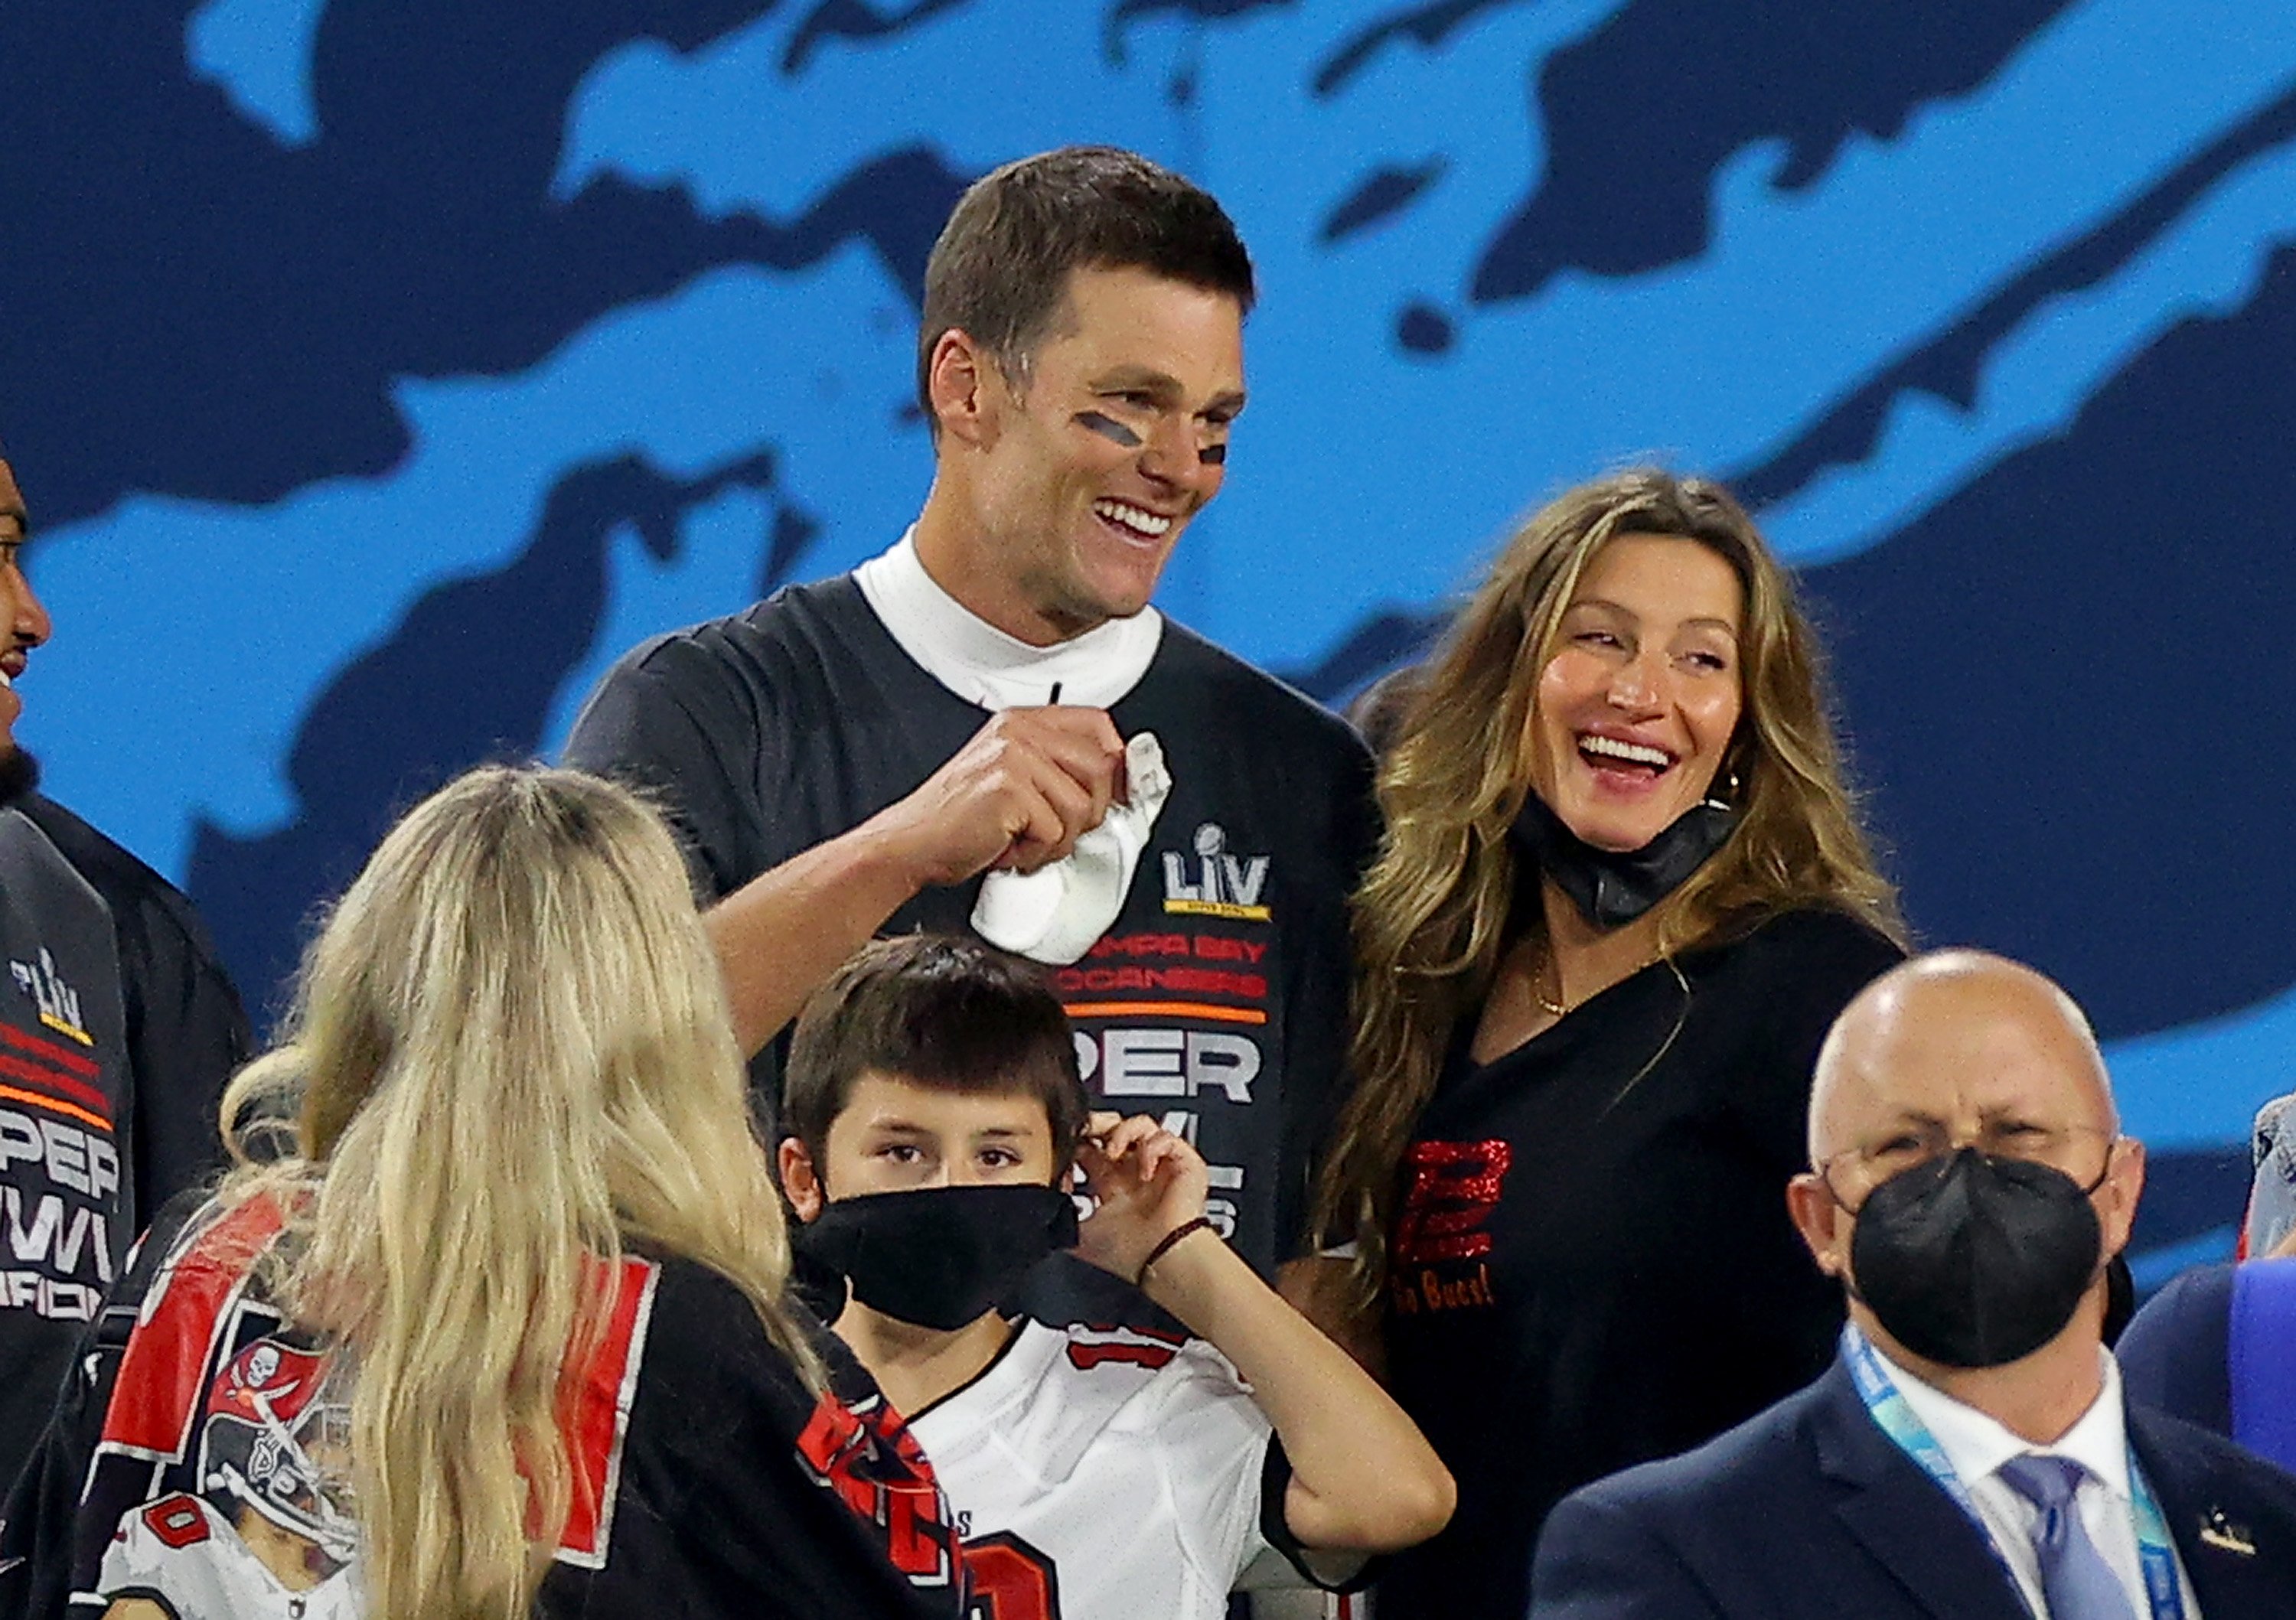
(1218, 1001)
(707, 1479)
(187, 1032)
(1593, 1265)
(743, 1494)
(66, 1123)
(118, 1031)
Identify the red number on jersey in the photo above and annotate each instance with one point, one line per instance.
(176, 1520)
(1086, 1356)
(1011, 1580)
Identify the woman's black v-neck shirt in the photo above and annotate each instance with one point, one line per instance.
(1593, 1264)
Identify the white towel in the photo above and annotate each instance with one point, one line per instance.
(1055, 913)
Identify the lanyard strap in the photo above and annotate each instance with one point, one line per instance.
(1896, 1419)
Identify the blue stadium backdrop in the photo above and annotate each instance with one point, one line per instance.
(378, 371)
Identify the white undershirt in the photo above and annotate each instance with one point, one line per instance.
(981, 664)
(1977, 1446)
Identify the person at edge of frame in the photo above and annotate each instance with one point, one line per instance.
(121, 1030)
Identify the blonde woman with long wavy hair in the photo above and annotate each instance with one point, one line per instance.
(527, 1265)
(1622, 893)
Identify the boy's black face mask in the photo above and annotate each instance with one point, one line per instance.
(939, 1256)
(1611, 888)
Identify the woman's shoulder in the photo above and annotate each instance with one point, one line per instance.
(1779, 984)
(1812, 943)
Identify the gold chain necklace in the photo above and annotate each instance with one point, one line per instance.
(1555, 1008)
(1558, 1009)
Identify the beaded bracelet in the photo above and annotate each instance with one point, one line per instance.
(1201, 1222)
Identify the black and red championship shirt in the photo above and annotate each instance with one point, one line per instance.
(1591, 1263)
(66, 1212)
(708, 1480)
(1217, 1001)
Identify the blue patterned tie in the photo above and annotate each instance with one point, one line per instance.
(2076, 1581)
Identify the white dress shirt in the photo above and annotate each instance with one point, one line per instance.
(1977, 1446)
(981, 664)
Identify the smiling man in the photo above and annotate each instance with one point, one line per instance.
(117, 1030)
(988, 727)
(1971, 1454)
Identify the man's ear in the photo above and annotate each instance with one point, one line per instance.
(964, 384)
(1818, 1218)
(799, 1179)
(2116, 1199)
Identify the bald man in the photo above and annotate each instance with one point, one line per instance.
(1969, 1455)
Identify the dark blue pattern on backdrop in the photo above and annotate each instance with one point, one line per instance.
(378, 371)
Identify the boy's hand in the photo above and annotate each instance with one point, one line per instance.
(1148, 1182)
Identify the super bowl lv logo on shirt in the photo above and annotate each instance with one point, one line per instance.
(1187, 1011)
(59, 1155)
(1215, 883)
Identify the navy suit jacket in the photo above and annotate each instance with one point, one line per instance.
(1809, 1511)
(2176, 1354)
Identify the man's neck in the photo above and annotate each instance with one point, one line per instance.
(953, 552)
(2038, 1398)
(917, 1366)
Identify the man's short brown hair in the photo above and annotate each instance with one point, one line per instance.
(1001, 267)
(939, 1012)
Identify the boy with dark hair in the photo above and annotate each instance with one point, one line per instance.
(935, 1107)
(988, 728)
(942, 1012)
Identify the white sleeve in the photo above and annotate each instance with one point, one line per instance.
(1211, 1441)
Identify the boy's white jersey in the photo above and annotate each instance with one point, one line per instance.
(1101, 1474)
(185, 1559)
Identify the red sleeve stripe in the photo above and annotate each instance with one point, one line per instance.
(596, 1416)
(164, 1375)
(63, 1057)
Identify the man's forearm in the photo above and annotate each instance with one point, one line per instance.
(783, 932)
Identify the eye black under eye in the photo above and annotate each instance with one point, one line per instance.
(1108, 429)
